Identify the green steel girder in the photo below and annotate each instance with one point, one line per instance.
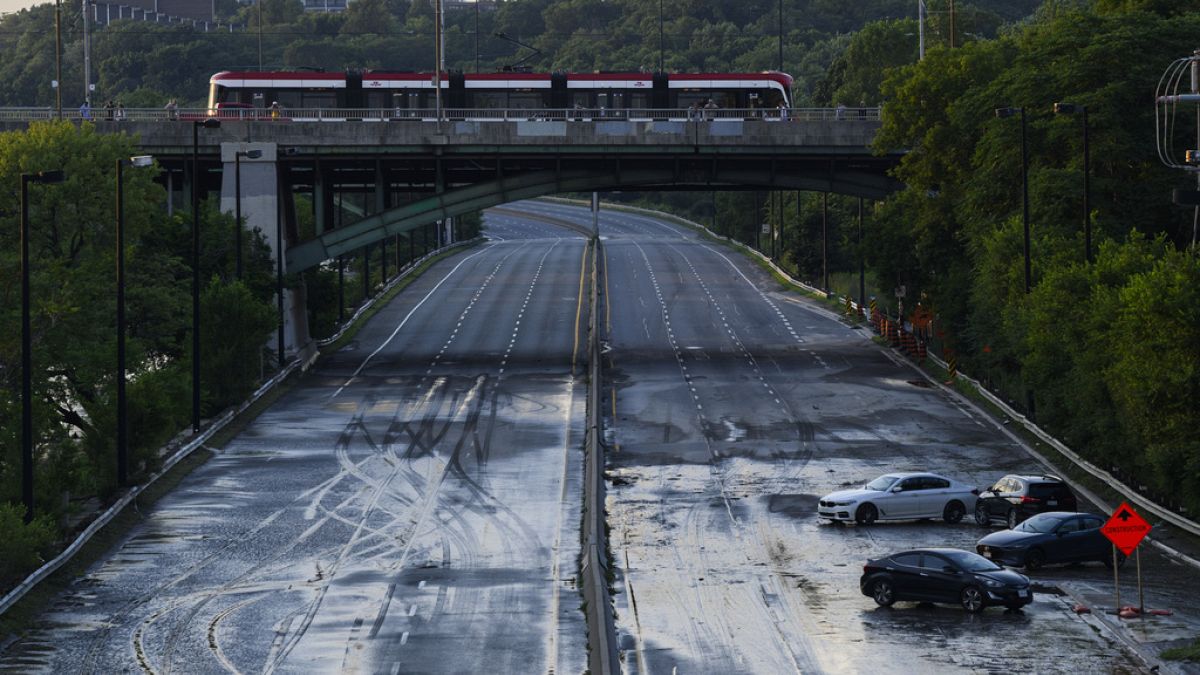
(480, 196)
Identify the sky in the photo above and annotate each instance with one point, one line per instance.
(7, 6)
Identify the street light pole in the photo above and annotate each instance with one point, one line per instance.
(237, 205)
(43, 177)
(1070, 109)
(279, 263)
(862, 261)
(122, 419)
(196, 124)
(122, 407)
(1009, 112)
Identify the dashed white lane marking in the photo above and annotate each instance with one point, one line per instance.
(733, 336)
(765, 298)
(405, 321)
(412, 610)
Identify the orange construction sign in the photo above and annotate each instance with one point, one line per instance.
(1125, 528)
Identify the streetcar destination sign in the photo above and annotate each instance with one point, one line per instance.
(1125, 528)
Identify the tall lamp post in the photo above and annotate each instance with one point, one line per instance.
(122, 408)
(196, 124)
(1071, 109)
(40, 178)
(1009, 112)
(237, 205)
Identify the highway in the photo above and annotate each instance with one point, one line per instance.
(732, 406)
(413, 504)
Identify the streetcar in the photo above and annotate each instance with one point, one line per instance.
(412, 95)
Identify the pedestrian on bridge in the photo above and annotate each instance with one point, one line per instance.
(85, 110)
(172, 109)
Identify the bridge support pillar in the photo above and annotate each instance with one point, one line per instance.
(261, 208)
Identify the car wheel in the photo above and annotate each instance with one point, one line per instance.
(883, 593)
(982, 516)
(866, 514)
(972, 599)
(1108, 561)
(954, 512)
(1012, 519)
(1035, 558)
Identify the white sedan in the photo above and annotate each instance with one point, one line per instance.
(901, 496)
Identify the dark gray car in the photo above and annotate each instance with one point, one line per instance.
(1054, 537)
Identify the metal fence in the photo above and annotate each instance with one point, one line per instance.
(776, 115)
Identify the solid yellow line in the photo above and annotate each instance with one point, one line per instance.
(579, 306)
(607, 308)
(616, 446)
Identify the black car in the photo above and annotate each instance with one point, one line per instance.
(944, 575)
(1054, 537)
(1015, 498)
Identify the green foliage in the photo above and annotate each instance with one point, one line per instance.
(72, 250)
(23, 548)
(176, 61)
(234, 329)
(1103, 352)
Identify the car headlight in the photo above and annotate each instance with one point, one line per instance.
(843, 503)
(992, 583)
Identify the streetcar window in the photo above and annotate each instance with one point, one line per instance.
(582, 99)
(319, 99)
(524, 100)
(490, 100)
(378, 99)
(689, 98)
(287, 98)
(639, 100)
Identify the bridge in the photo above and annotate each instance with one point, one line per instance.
(395, 176)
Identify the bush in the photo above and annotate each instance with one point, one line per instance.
(23, 548)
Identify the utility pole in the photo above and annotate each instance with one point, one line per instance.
(660, 36)
(951, 24)
(781, 36)
(58, 57)
(259, 3)
(921, 28)
(438, 59)
(87, 55)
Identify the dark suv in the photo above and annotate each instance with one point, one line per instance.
(1015, 498)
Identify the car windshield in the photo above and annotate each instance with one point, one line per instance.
(882, 483)
(971, 562)
(1040, 524)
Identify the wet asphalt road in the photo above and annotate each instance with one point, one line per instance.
(411, 506)
(732, 407)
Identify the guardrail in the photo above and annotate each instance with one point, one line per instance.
(303, 361)
(601, 627)
(117, 115)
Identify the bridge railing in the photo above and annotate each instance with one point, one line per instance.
(32, 114)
